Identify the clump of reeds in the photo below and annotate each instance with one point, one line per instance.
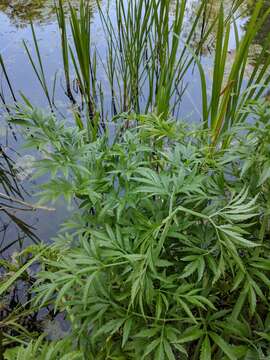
(148, 55)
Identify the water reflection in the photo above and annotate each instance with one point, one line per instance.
(261, 36)
(21, 12)
(211, 13)
(208, 20)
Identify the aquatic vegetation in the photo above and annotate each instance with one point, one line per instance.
(227, 100)
(148, 56)
(40, 350)
(167, 255)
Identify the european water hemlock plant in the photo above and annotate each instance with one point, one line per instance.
(167, 256)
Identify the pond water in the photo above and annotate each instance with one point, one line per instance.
(15, 19)
(15, 16)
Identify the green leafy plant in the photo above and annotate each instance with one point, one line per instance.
(167, 256)
(39, 349)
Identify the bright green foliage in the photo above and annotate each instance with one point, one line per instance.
(168, 255)
(43, 351)
(233, 91)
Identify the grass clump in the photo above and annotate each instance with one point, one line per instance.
(167, 256)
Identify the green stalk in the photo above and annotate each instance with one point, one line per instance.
(2, 64)
(65, 48)
(38, 69)
(81, 58)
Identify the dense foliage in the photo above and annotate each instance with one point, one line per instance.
(167, 256)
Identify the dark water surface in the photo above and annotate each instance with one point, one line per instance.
(15, 16)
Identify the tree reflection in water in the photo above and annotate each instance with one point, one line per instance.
(262, 37)
(212, 9)
(20, 12)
